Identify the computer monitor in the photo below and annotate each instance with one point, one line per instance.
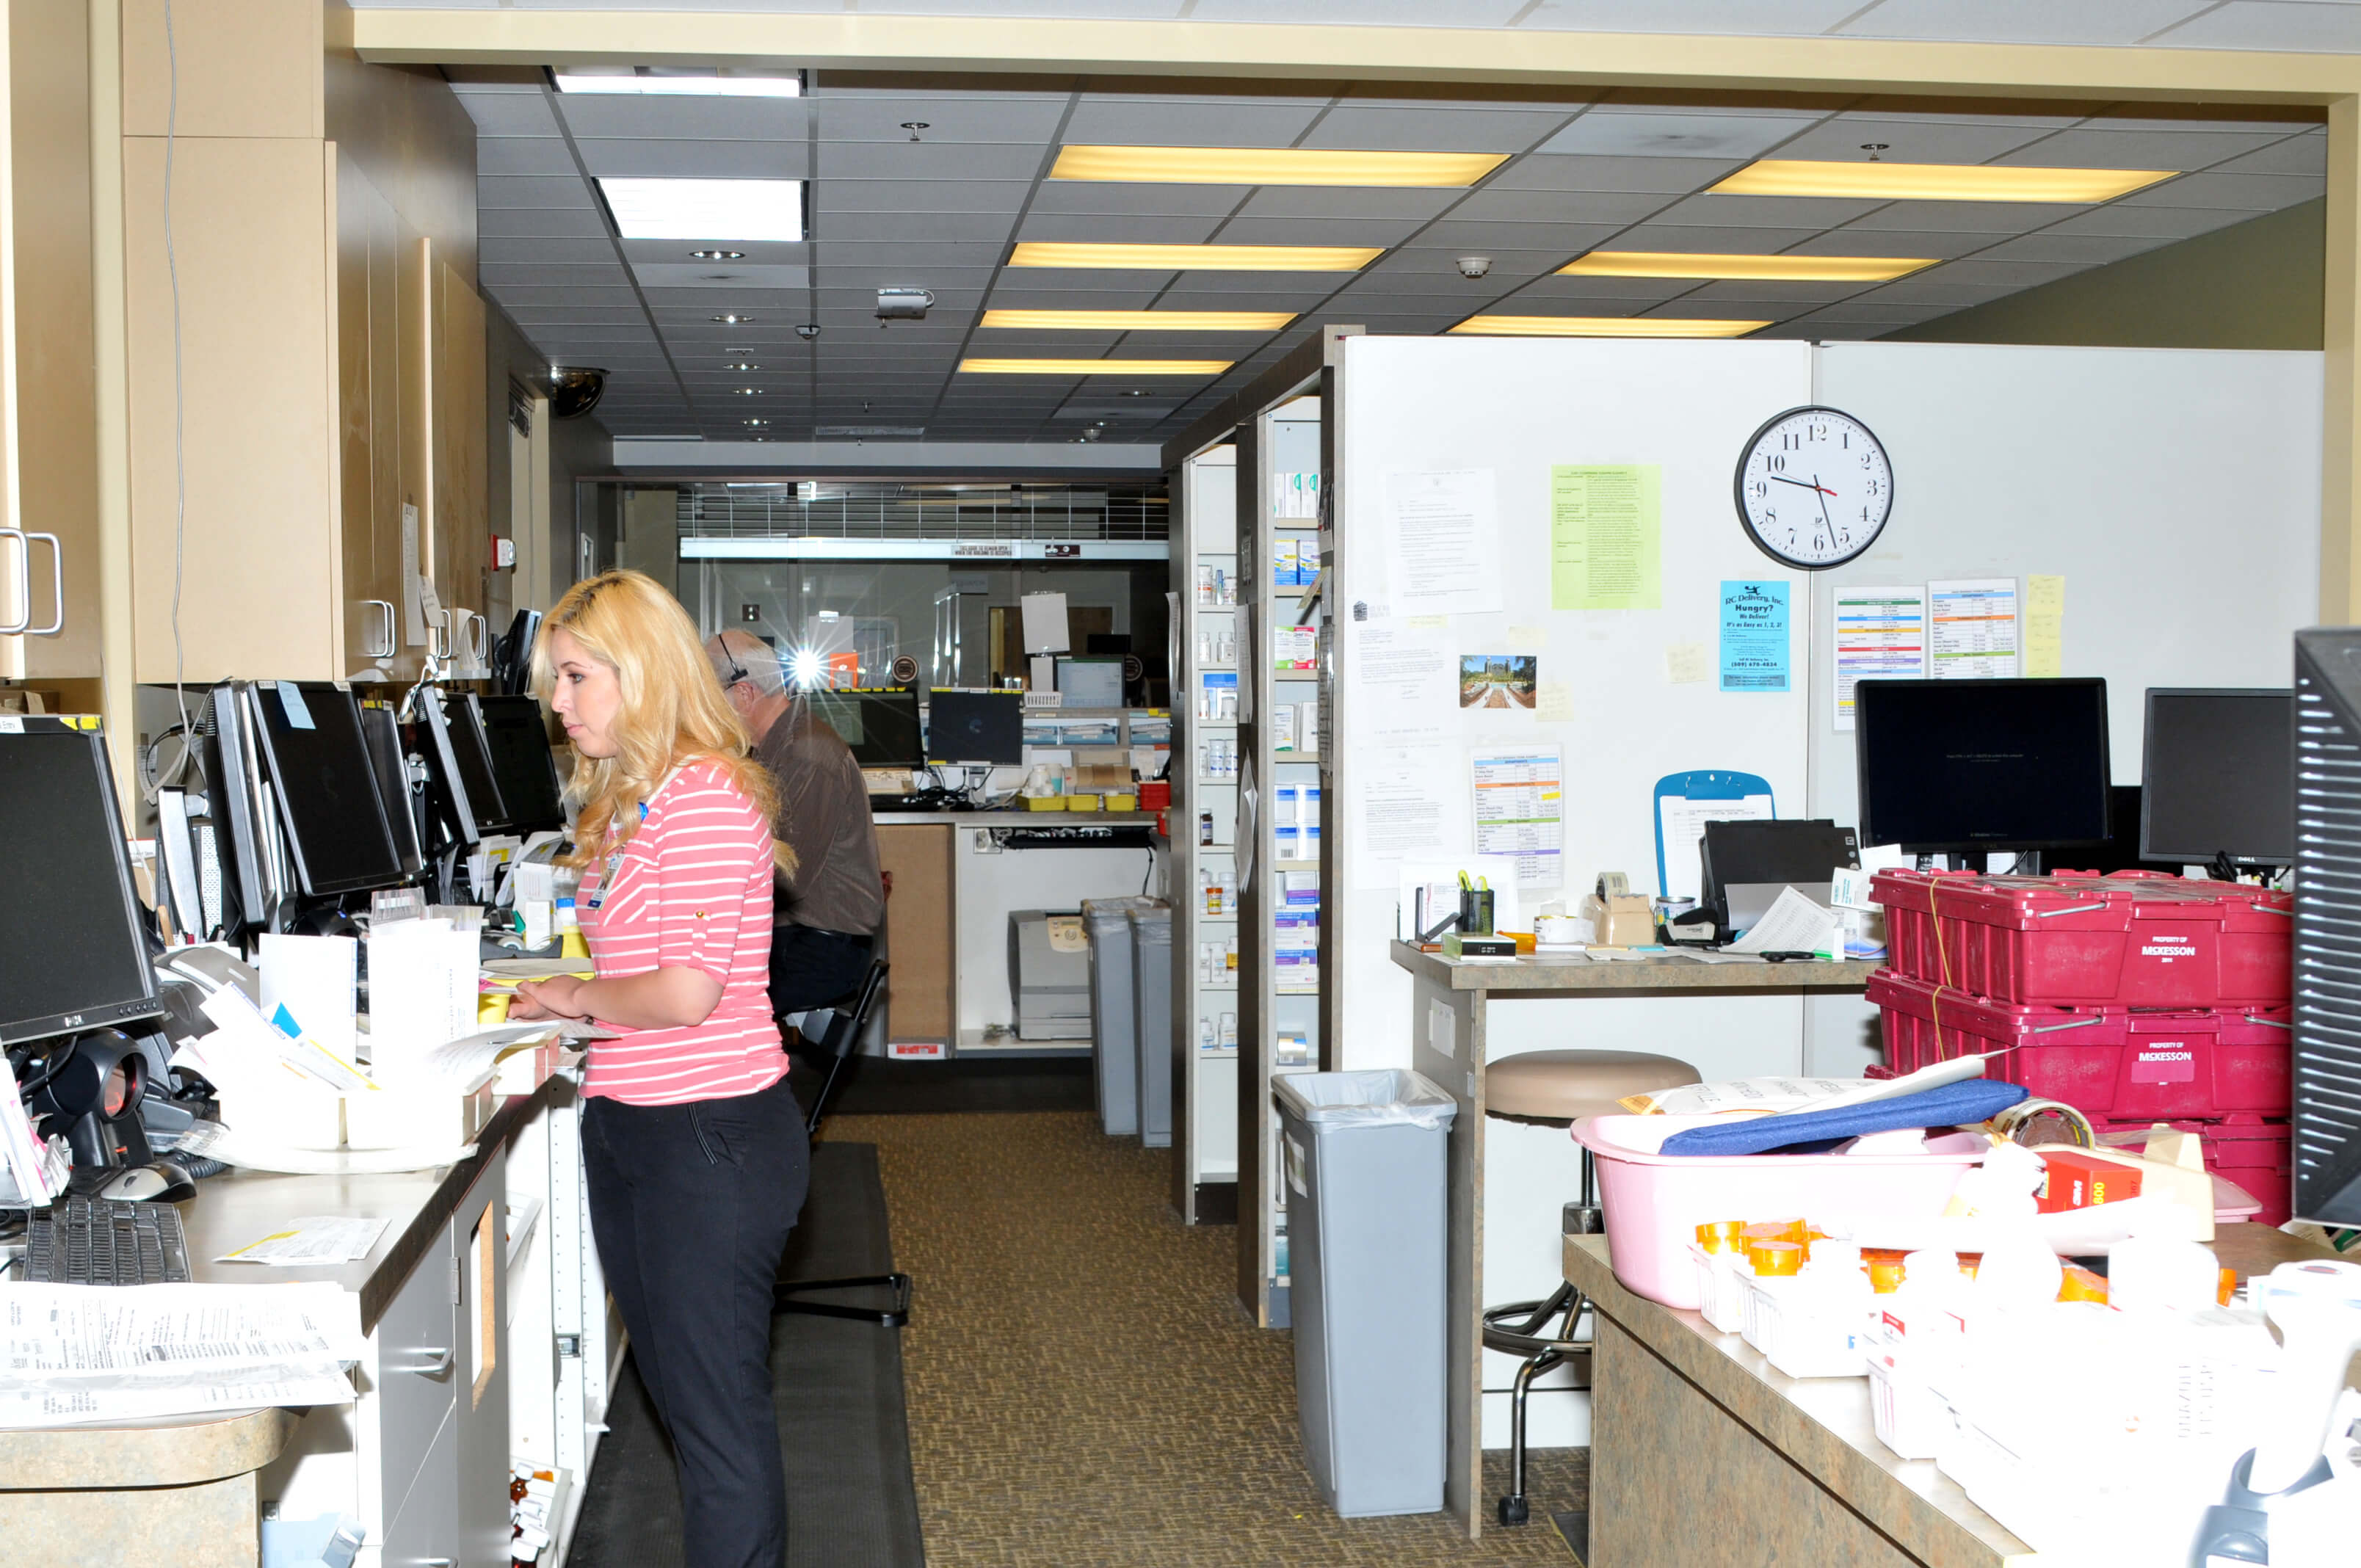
(1964, 767)
(2327, 793)
(2217, 776)
(1087, 681)
(880, 723)
(241, 814)
(525, 769)
(69, 923)
(325, 784)
(466, 803)
(976, 727)
(389, 760)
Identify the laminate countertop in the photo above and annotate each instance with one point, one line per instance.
(1666, 971)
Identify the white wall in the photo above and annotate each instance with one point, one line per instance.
(2176, 491)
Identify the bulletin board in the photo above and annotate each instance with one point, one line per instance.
(1537, 554)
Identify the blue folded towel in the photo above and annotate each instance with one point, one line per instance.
(1953, 1105)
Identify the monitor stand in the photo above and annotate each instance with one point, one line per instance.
(2223, 868)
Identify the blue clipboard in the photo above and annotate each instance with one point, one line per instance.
(1706, 784)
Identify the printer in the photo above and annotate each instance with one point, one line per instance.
(1050, 974)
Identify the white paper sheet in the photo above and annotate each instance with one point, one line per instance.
(1397, 810)
(422, 992)
(1793, 923)
(1972, 628)
(1880, 635)
(315, 979)
(1682, 821)
(1442, 543)
(255, 1151)
(1402, 676)
(312, 1239)
(1045, 622)
(246, 1047)
(1520, 809)
(158, 1330)
(125, 1401)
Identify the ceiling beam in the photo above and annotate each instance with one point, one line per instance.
(421, 36)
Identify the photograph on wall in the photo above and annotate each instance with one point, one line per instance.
(1498, 680)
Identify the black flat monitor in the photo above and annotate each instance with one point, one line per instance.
(237, 807)
(467, 805)
(320, 774)
(390, 761)
(525, 768)
(2217, 778)
(1805, 853)
(880, 723)
(2326, 791)
(1967, 767)
(976, 727)
(69, 923)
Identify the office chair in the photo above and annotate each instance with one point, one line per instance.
(848, 1018)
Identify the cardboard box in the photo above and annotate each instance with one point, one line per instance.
(1620, 920)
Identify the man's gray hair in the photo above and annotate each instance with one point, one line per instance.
(758, 666)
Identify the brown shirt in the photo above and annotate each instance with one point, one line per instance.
(824, 817)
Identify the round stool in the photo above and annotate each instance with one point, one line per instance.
(1556, 1089)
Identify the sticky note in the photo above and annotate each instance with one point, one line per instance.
(1684, 663)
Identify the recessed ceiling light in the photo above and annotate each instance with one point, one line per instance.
(1935, 182)
(1272, 166)
(1140, 321)
(718, 255)
(1785, 269)
(758, 422)
(742, 365)
(680, 87)
(706, 209)
(1604, 326)
(1094, 367)
(730, 320)
(1197, 257)
(750, 392)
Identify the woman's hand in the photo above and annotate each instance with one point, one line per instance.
(559, 996)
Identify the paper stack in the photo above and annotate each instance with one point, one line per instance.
(34, 1173)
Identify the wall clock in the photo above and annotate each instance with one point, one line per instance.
(1813, 487)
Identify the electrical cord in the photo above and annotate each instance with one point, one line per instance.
(180, 460)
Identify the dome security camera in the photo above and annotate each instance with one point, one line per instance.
(809, 331)
(1475, 266)
(575, 390)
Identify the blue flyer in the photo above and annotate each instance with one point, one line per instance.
(1754, 637)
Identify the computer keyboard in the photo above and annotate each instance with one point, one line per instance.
(98, 1241)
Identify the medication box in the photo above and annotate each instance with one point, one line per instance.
(2076, 940)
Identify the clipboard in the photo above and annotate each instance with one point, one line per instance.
(1748, 795)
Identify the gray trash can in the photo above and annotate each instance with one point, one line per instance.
(1114, 1048)
(1151, 981)
(1366, 1184)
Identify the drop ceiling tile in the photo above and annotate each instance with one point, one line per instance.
(540, 316)
(2004, 273)
(930, 160)
(2090, 250)
(1342, 202)
(1130, 199)
(917, 224)
(1800, 331)
(2305, 154)
(1187, 122)
(1485, 237)
(696, 159)
(1934, 291)
(940, 254)
(1846, 138)
(2262, 25)
(512, 295)
(1379, 232)
(2193, 149)
(1108, 230)
(758, 253)
(1692, 237)
(509, 252)
(1785, 296)
(832, 196)
(1972, 218)
(2251, 192)
(1505, 264)
(1557, 171)
(1716, 16)
(947, 119)
(1494, 204)
(504, 278)
(509, 113)
(667, 117)
(1015, 292)
(2162, 223)
(1625, 133)
(1856, 240)
(734, 276)
(2045, 113)
(1386, 129)
(2020, 21)
(1810, 213)
(1557, 287)
(502, 190)
(1693, 307)
(523, 155)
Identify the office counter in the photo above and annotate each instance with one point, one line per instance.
(181, 1492)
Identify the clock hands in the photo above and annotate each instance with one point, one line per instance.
(1823, 499)
(1799, 484)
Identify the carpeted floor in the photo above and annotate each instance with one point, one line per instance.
(879, 1086)
(1082, 1388)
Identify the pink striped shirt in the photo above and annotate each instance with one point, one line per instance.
(692, 890)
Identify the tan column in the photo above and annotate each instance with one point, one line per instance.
(2340, 468)
(111, 411)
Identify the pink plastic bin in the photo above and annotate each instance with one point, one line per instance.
(1654, 1202)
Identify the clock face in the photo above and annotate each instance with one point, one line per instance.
(1813, 487)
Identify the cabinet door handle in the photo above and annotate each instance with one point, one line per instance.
(57, 584)
(24, 581)
(437, 1365)
(379, 646)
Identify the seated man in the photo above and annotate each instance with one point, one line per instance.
(827, 914)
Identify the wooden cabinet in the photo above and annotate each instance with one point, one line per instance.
(921, 940)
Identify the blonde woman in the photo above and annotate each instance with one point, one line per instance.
(691, 1139)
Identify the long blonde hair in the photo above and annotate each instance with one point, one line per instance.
(673, 710)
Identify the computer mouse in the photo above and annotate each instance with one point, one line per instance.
(161, 1182)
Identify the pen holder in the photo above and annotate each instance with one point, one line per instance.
(1474, 910)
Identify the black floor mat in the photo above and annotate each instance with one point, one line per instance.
(879, 1086)
(838, 1387)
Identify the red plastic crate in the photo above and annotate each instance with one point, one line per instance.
(2110, 1062)
(2078, 941)
(2255, 1152)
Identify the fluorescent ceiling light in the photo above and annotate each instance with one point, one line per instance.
(1094, 367)
(1781, 268)
(1604, 326)
(681, 86)
(1272, 166)
(706, 209)
(1935, 182)
(1197, 257)
(1141, 321)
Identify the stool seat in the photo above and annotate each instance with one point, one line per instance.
(1564, 1086)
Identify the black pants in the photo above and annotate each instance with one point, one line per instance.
(812, 968)
(691, 1206)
